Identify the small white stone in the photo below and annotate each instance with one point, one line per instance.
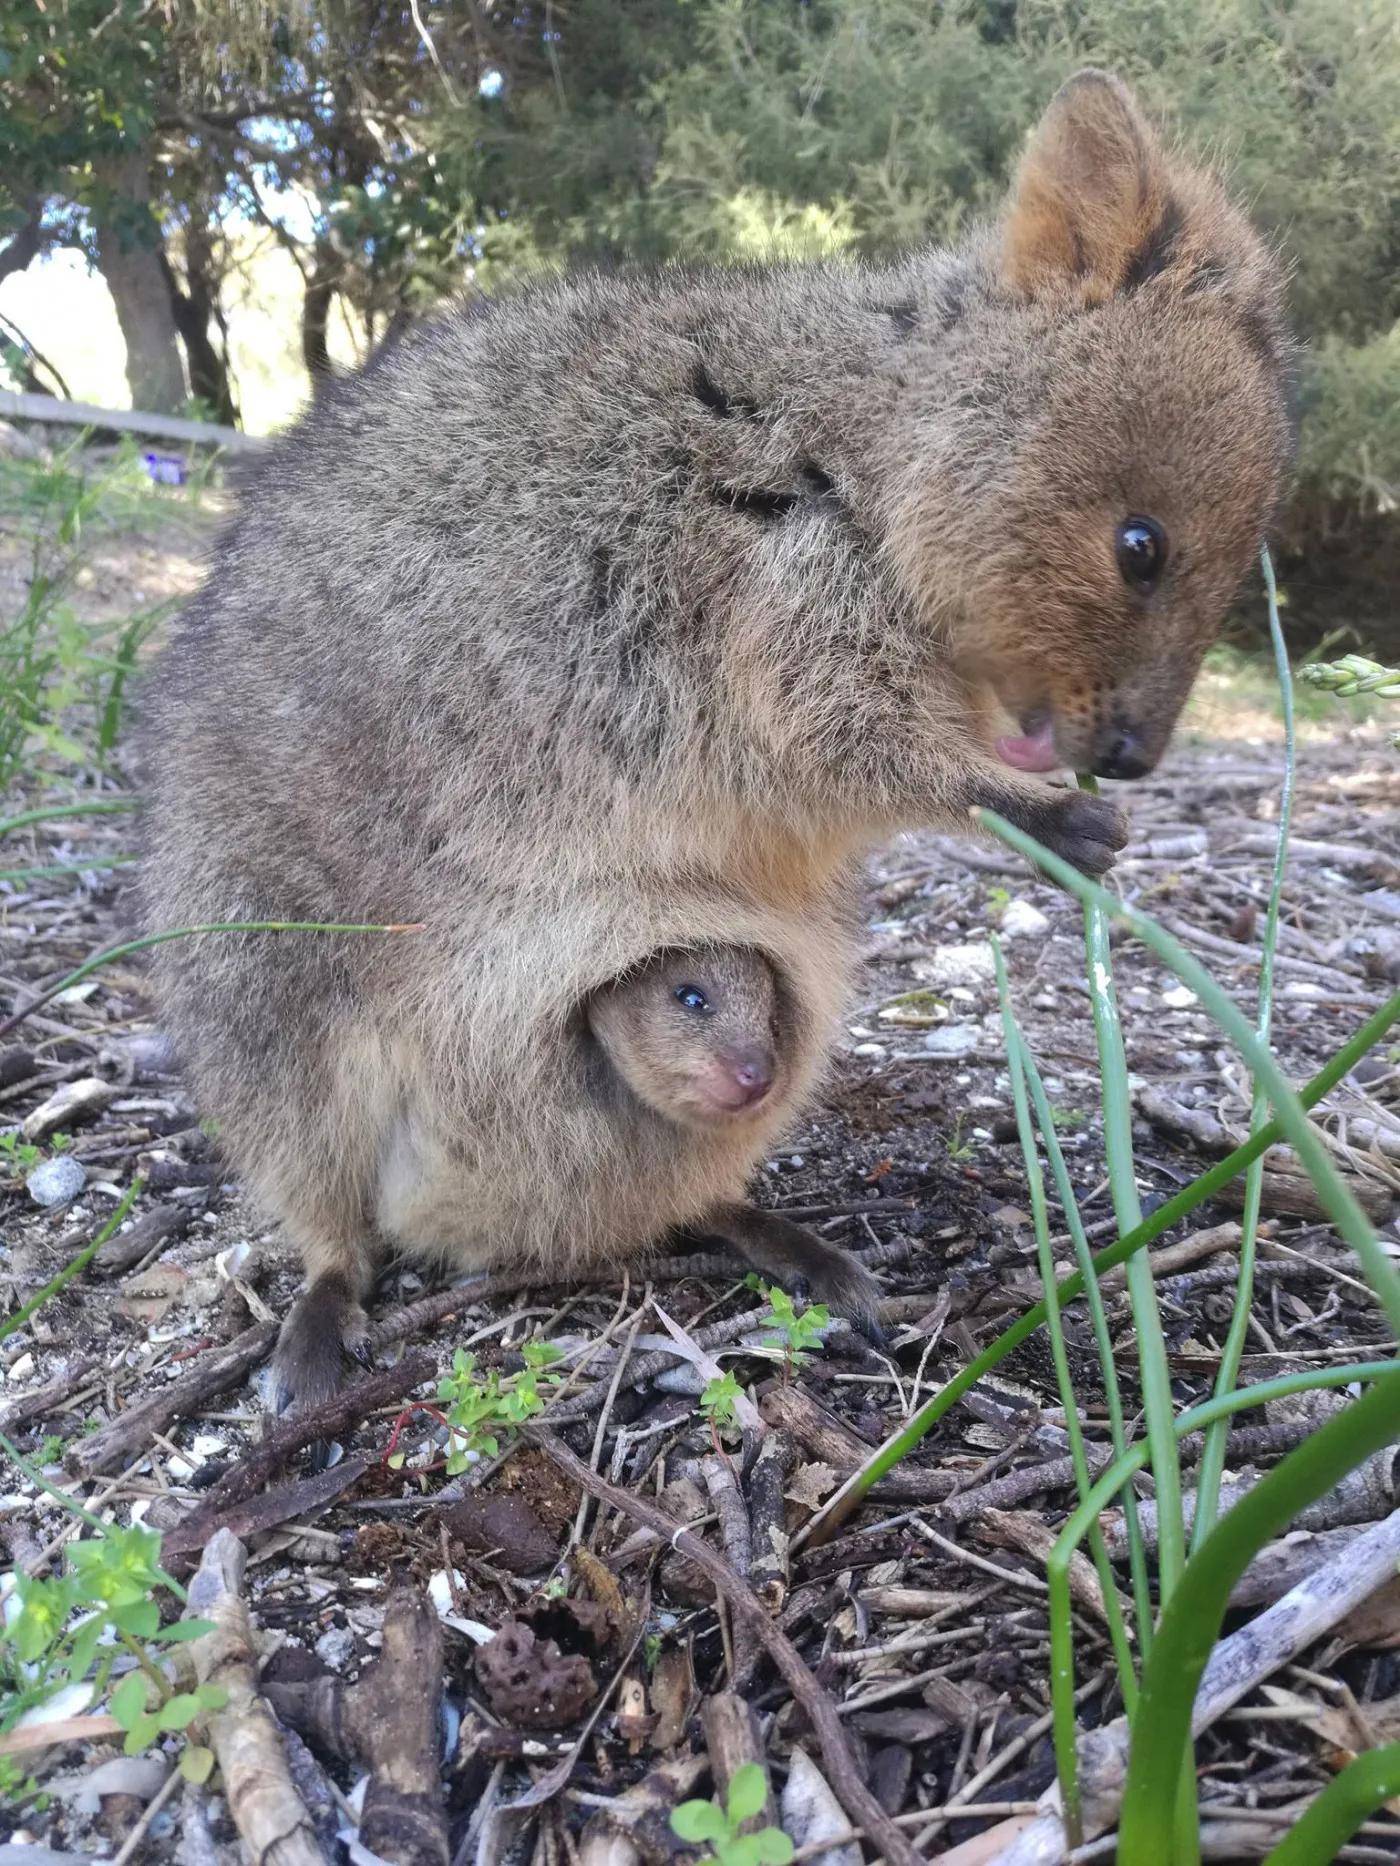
(21, 1370)
(57, 1181)
(1019, 920)
(874, 1052)
(970, 965)
(1179, 998)
(952, 1042)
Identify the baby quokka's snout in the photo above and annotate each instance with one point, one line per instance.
(740, 1077)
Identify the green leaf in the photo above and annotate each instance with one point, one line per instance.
(748, 1792)
(128, 1701)
(698, 1820)
(181, 1631)
(178, 1712)
(211, 1697)
(742, 1850)
(141, 1618)
(774, 1847)
(142, 1734)
(196, 1763)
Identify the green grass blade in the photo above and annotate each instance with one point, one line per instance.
(1190, 1621)
(1181, 1204)
(1098, 1320)
(1158, 1405)
(1332, 1189)
(1365, 1785)
(1212, 1467)
(99, 806)
(1061, 1632)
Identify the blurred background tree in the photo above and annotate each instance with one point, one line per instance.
(402, 151)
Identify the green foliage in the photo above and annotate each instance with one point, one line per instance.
(481, 1406)
(797, 1331)
(63, 680)
(718, 1399)
(22, 1156)
(72, 1628)
(706, 1823)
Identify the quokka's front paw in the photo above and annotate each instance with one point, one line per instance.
(1084, 830)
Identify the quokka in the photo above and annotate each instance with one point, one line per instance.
(621, 620)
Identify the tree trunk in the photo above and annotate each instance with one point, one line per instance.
(316, 313)
(128, 255)
(195, 305)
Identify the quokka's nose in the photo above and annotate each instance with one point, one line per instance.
(752, 1075)
(1124, 756)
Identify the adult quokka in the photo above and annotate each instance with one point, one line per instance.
(622, 619)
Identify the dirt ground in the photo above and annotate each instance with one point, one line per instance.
(923, 1620)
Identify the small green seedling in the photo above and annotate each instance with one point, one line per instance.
(480, 1406)
(22, 1156)
(958, 1148)
(718, 1402)
(796, 1331)
(998, 900)
(67, 1629)
(706, 1823)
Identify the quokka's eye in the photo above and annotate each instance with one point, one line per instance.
(1141, 549)
(692, 998)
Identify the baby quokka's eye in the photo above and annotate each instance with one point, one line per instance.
(693, 999)
(1140, 545)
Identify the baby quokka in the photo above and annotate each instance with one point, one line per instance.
(618, 622)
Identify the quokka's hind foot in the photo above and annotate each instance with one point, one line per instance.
(802, 1263)
(322, 1339)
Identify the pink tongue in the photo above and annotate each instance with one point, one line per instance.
(1034, 754)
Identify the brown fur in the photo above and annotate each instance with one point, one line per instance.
(696, 1037)
(622, 618)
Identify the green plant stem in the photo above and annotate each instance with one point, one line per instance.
(36, 1477)
(1330, 1820)
(1158, 1406)
(1154, 1370)
(152, 1671)
(1065, 1723)
(1103, 1341)
(1212, 1466)
(1190, 1621)
(1179, 1206)
(74, 1268)
(1332, 1190)
(100, 806)
(124, 951)
(57, 871)
(1086, 1513)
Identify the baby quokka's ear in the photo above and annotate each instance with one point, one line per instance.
(1092, 205)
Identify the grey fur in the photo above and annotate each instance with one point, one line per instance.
(626, 617)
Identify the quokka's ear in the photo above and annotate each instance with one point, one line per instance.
(1091, 195)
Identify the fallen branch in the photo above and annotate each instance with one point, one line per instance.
(130, 1433)
(336, 1414)
(289, 1503)
(270, 1816)
(1236, 1666)
(749, 1616)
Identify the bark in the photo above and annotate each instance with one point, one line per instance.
(26, 241)
(316, 313)
(129, 257)
(195, 305)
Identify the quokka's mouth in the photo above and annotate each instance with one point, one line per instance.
(1035, 749)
